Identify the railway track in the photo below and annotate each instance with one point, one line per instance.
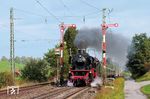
(25, 88)
(62, 93)
(42, 91)
(52, 93)
(75, 94)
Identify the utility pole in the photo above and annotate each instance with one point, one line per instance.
(12, 49)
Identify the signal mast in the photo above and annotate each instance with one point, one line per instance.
(104, 27)
(63, 27)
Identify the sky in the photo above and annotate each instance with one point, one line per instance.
(36, 30)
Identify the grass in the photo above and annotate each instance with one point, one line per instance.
(116, 93)
(5, 66)
(146, 90)
(145, 77)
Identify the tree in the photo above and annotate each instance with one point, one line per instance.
(4, 58)
(66, 59)
(69, 38)
(51, 60)
(138, 55)
(36, 70)
(17, 60)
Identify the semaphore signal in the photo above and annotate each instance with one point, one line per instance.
(63, 27)
(104, 28)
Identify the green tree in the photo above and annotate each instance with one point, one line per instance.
(138, 55)
(66, 59)
(51, 59)
(17, 59)
(4, 58)
(36, 70)
(69, 38)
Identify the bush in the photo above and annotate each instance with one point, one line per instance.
(6, 79)
(145, 77)
(146, 90)
(116, 93)
(35, 70)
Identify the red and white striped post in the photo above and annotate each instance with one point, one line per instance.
(104, 28)
(62, 31)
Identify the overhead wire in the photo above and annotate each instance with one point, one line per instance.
(30, 13)
(88, 4)
(36, 40)
(47, 10)
(56, 17)
(23, 40)
(66, 16)
(65, 6)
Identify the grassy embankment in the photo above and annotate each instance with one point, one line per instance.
(116, 93)
(146, 90)
(5, 74)
(145, 77)
(5, 66)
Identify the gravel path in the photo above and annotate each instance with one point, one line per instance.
(132, 89)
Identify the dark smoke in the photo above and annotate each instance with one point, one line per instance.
(117, 44)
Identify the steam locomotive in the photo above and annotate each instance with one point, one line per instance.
(83, 69)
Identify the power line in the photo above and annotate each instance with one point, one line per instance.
(66, 16)
(36, 14)
(30, 13)
(56, 17)
(47, 10)
(90, 5)
(92, 13)
(65, 6)
(35, 40)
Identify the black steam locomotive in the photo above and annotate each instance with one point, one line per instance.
(83, 69)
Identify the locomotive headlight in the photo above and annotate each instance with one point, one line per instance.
(90, 72)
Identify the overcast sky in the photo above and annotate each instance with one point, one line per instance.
(36, 30)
